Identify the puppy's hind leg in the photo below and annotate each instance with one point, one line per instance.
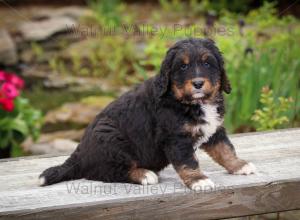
(120, 167)
(142, 176)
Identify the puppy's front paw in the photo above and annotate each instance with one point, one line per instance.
(149, 178)
(247, 169)
(203, 185)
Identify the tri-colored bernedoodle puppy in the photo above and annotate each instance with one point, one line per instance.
(162, 121)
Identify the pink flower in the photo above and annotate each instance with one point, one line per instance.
(9, 90)
(7, 104)
(2, 76)
(14, 79)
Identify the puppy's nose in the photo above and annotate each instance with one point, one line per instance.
(198, 84)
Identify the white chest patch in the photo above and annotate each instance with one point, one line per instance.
(213, 119)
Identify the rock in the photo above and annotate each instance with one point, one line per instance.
(64, 145)
(55, 142)
(55, 81)
(52, 80)
(44, 29)
(8, 52)
(74, 12)
(81, 113)
(34, 72)
(56, 146)
(59, 81)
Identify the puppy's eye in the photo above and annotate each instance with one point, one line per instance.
(206, 65)
(184, 66)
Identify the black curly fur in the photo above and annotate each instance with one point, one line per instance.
(144, 126)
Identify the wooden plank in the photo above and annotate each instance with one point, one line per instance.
(276, 187)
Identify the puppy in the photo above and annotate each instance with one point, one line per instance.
(162, 121)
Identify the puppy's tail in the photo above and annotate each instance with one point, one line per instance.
(69, 170)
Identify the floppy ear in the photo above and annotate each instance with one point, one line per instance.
(225, 84)
(162, 81)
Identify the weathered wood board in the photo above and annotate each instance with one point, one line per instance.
(276, 187)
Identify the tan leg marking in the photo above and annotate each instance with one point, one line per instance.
(189, 175)
(194, 178)
(225, 156)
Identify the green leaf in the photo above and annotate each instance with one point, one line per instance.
(20, 126)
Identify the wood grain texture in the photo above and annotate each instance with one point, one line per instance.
(276, 187)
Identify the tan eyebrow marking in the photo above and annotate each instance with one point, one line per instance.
(185, 58)
(204, 56)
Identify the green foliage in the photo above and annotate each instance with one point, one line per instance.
(179, 9)
(267, 12)
(15, 126)
(37, 50)
(172, 6)
(155, 51)
(99, 101)
(116, 56)
(266, 17)
(111, 57)
(194, 8)
(272, 62)
(57, 65)
(217, 7)
(107, 12)
(273, 112)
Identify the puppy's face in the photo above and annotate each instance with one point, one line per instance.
(196, 71)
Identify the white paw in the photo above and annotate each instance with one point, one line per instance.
(205, 184)
(41, 181)
(247, 169)
(150, 178)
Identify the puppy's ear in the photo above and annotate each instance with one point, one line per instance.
(225, 84)
(162, 82)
